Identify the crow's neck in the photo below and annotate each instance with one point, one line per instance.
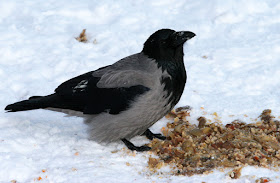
(174, 66)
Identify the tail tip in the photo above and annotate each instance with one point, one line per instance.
(8, 108)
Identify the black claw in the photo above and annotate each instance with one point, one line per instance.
(159, 136)
(150, 135)
(143, 148)
(132, 147)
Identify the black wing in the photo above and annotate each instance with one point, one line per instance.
(82, 94)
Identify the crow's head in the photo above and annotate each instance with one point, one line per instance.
(164, 43)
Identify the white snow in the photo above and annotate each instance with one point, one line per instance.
(233, 67)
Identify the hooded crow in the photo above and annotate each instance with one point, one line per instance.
(123, 100)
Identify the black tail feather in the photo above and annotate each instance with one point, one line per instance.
(35, 102)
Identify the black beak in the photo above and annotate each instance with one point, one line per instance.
(179, 38)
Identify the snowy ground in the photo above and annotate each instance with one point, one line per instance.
(233, 67)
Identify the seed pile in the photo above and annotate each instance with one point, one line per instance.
(192, 149)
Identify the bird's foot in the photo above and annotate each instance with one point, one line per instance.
(150, 135)
(132, 147)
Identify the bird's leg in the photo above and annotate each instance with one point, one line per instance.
(150, 135)
(132, 147)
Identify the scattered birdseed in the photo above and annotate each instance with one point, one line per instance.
(263, 180)
(82, 37)
(235, 173)
(198, 150)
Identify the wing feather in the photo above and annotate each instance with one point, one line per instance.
(108, 89)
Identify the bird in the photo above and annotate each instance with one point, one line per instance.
(123, 100)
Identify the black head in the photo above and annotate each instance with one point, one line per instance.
(164, 43)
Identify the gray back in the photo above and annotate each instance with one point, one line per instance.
(136, 69)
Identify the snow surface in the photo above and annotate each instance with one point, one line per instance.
(233, 69)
